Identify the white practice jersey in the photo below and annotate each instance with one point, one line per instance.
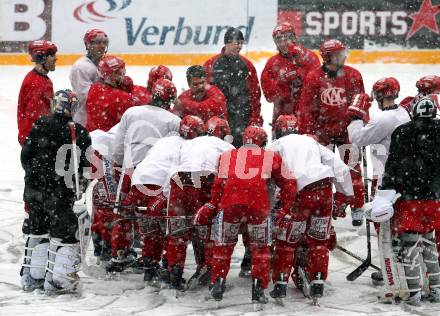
(311, 162)
(139, 129)
(202, 154)
(102, 141)
(159, 165)
(82, 75)
(377, 133)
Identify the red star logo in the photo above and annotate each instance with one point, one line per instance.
(425, 17)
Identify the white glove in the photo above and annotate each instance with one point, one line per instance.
(383, 205)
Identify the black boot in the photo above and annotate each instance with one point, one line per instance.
(217, 289)
(280, 288)
(176, 280)
(377, 278)
(317, 288)
(151, 269)
(258, 293)
(121, 262)
(245, 266)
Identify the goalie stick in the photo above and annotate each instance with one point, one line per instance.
(367, 262)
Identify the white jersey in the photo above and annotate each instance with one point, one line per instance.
(377, 133)
(160, 163)
(102, 141)
(139, 129)
(202, 154)
(82, 75)
(311, 162)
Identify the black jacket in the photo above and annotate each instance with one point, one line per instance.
(413, 165)
(39, 155)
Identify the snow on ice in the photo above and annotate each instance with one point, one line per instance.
(129, 295)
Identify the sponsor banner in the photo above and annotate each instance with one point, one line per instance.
(366, 25)
(158, 26)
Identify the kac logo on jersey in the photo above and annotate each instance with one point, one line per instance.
(333, 96)
(90, 11)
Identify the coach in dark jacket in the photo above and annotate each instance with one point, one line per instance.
(237, 78)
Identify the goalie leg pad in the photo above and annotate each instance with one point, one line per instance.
(62, 266)
(409, 256)
(34, 263)
(430, 258)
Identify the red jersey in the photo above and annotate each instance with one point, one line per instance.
(243, 178)
(212, 104)
(277, 84)
(105, 106)
(324, 101)
(34, 99)
(141, 95)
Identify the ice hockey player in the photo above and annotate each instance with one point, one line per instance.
(326, 94)
(237, 78)
(150, 189)
(425, 86)
(308, 225)
(84, 71)
(201, 99)
(52, 252)
(240, 195)
(190, 189)
(104, 192)
(142, 95)
(376, 132)
(140, 128)
(36, 90)
(109, 97)
(284, 73)
(412, 172)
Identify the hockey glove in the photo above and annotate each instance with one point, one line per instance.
(383, 205)
(204, 215)
(359, 107)
(256, 121)
(127, 84)
(157, 206)
(407, 103)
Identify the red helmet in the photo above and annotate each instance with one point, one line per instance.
(286, 124)
(191, 126)
(255, 135)
(40, 49)
(218, 127)
(110, 67)
(428, 84)
(282, 29)
(426, 107)
(93, 34)
(386, 88)
(330, 46)
(156, 73)
(165, 90)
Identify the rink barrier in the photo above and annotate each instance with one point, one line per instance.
(354, 57)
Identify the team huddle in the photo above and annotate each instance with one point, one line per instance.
(161, 171)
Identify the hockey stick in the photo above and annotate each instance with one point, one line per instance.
(367, 262)
(351, 254)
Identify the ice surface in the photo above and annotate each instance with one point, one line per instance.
(129, 296)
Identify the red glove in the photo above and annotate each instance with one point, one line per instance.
(359, 107)
(157, 206)
(339, 205)
(127, 84)
(290, 226)
(256, 121)
(297, 53)
(204, 215)
(407, 103)
(332, 241)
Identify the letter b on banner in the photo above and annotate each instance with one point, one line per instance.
(23, 21)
